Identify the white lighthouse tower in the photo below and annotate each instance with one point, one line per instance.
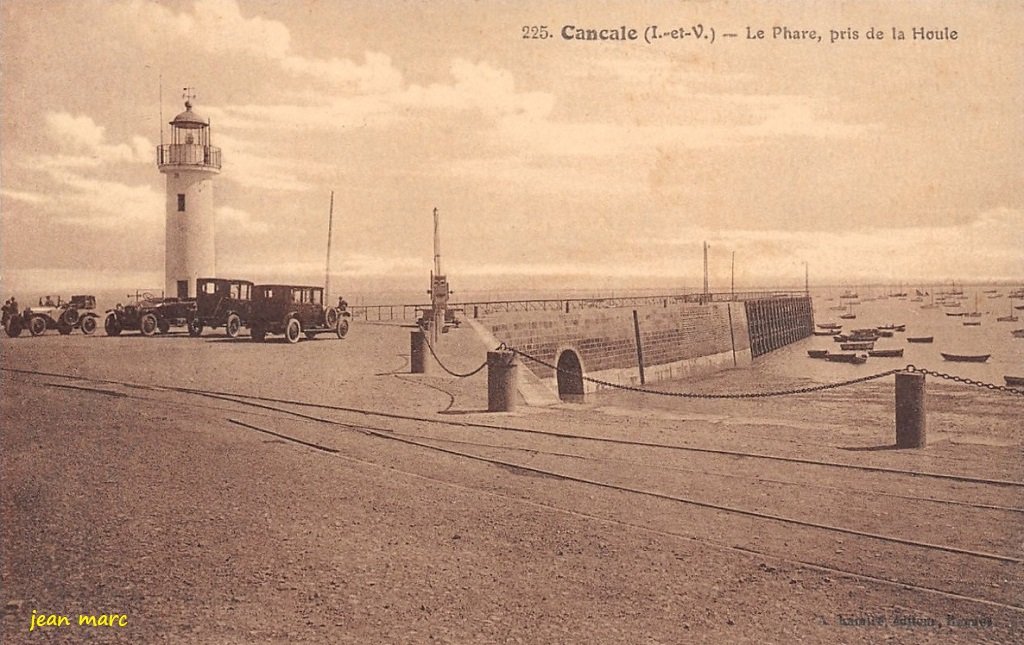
(189, 162)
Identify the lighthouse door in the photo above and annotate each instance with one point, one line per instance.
(183, 288)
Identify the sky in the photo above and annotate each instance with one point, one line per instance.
(554, 163)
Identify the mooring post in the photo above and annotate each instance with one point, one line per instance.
(910, 410)
(419, 354)
(502, 381)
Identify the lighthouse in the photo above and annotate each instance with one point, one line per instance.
(189, 163)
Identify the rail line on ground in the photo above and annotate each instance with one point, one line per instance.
(387, 434)
(560, 435)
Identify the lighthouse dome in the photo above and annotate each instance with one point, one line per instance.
(189, 119)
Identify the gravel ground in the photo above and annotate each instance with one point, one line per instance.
(205, 521)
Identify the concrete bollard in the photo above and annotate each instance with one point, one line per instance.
(910, 410)
(420, 360)
(502, 381)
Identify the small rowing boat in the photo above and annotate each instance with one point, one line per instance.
(886, 353)
(855, 347)
(817, 353)
(920, 339)
(966, 358)
(1015, 381)
(856, 359)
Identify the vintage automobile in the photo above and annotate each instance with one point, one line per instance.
(221, 302)
(54, 313)
(149, 315)
(294, 311)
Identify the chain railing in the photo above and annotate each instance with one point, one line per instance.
(966, 381)
(757, 395)
(445, 367)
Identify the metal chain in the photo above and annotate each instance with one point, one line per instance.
(693, 395)
(445, 368)
(966, 381)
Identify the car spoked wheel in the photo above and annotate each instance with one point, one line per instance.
(14, 326)
(342, 328)
(331, 316)
(70, 317)
(112, 325)
(37, 325)
(89, 325)
(233, 326)
(148, 325)
(293, 331)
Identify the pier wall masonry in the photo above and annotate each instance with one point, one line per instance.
(676, 340)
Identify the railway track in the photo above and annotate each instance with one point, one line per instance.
(424, 443)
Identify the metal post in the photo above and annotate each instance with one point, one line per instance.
(502, 381)
(639, 347)
(910, 410)
(419, 354)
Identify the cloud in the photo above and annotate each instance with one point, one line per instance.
(85, 137)
(24, 196)
(239, 220)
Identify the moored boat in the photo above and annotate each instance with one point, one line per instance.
(886, 353)
(823, 332)
(885, 333)
(1018, 333)
(847, 357)
(966, 358)
(829, 325)
(851, 347)
(1014, 381)
(972, 323)
(817, 353)
(920, 339)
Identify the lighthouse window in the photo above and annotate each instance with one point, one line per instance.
(181, 202)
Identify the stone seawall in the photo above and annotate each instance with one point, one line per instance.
(675, 341)
(648, 344)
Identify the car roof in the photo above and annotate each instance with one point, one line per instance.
(286, 286)
(225, 280)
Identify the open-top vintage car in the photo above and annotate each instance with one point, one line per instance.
(54, 313)
(294, 311)
(221, 302)
(149, 315)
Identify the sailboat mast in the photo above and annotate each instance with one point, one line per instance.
(327, 268)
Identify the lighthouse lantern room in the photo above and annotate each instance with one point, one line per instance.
(189, 162)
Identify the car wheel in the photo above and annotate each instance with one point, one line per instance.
(293, 330)
(112, 325)
(148, 325)
(70, 317)
(163, 326)
(37, 325)
(89, 325)
(342, 328)
(331, 316)
(14, 326)
(258, 333)
(195, 327)
(233, 326)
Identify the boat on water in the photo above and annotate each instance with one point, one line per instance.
(1014, 381)
(1010, 318)
(920, 339)
(829, 326)
(824, 332)
(966, 358)
(1019, 307)
(972, 323)
(853, 347)
(817, 353)
(886, 353)
(886, 333)
(956, 313)
(847, 357)
(848, 316)
(1018, 333)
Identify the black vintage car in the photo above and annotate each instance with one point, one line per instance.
(221, 302)
(149, 316)
(294, 311)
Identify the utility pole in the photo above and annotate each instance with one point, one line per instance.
(438, 285)
(807, 279)
(327, 267)
(732, 278)
(705, 271)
